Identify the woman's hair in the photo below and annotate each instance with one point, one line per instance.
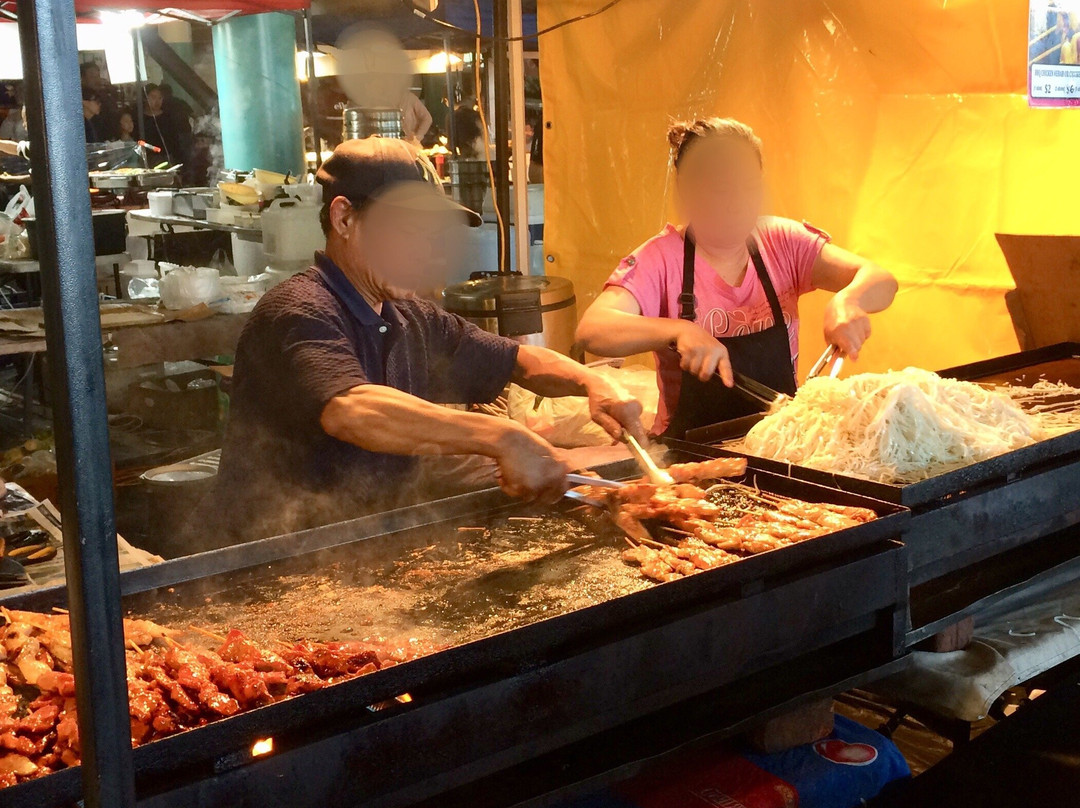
(682, 134)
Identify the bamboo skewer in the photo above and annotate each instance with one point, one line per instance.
(206, 633)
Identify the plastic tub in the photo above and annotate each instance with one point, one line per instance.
(161, 203)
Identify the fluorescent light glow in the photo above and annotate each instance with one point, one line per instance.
(125, 20)
(325, 65)
(437, 63)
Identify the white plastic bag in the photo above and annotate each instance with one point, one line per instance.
(185, 287)
(9, 235)
(566, 423)
(240, 295)
(20, 206)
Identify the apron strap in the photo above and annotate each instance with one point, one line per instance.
(766, 281)
(687, 303)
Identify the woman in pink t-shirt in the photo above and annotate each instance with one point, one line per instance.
(721, 294)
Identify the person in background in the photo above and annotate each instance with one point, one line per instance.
(721, 293)
(415, 117)
(107, 123)
(14, 125)
(127, 126)
(91, 105)
(536, 155)
(169, 132)
(468, 130)
(177, 108)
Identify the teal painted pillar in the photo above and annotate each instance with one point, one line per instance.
(258, 94)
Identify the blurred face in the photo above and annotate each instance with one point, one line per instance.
(91, 108)
(154, 100)
(720, 190)
(403, 250)
(92, 77)
(127, 126)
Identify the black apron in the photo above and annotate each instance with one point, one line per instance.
(764, 356)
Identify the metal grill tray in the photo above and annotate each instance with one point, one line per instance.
(865, 554)
(971, 515)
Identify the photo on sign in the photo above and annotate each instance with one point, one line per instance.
(1054, 53)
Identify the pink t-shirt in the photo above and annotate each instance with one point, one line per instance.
(653, 275)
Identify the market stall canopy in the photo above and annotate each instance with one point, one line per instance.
(206, 7)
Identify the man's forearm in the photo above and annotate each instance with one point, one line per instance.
(382, 419)
(550, 374)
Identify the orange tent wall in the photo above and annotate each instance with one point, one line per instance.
(900, 127)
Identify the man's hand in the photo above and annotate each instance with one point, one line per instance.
(847, 325)
(529, 466)
(701, 354)
(613, 408)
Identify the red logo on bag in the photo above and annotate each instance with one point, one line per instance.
(846, 754)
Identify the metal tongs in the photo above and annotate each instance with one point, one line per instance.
(595, 482)
(756, 391)
(831, 354)
(656, 475)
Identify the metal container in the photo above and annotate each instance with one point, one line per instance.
(172, 494)
(541, 309)
(469, 181)
(361, 122)
(194, 202)
(978, 530)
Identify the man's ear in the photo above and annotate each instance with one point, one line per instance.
(341, 211)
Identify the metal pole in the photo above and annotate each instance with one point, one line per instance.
(522, 239)
(136, 39)
(312, 90)
(73, 333)
(501, 68)
(451, 137)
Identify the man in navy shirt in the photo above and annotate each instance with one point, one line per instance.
(340, 371)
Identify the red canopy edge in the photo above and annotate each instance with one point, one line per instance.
(213, 7)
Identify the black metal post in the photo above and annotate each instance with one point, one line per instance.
(312, 89)
(451, 138)
(500, 64)
(73, 332)
(136, 43)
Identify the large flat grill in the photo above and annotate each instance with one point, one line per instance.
(551, 637)
(974, 514)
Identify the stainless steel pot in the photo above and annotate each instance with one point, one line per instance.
(361, 122)
(469, 181)
(535, 309)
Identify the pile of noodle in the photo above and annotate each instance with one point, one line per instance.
(900, 426)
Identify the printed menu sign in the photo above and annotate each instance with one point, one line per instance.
(1054, 53)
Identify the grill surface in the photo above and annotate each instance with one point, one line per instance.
(495, 574)
(528, 604)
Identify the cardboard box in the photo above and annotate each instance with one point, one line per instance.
(1045, 306)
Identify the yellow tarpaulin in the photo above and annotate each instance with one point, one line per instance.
(901, 128)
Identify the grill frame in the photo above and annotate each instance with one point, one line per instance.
(573, 671)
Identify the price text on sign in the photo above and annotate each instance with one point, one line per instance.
(1055, 81)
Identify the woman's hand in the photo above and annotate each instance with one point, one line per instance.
(847, 325)
(701, 354)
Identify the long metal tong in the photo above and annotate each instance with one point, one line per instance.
(831, 354)
(655, 474)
